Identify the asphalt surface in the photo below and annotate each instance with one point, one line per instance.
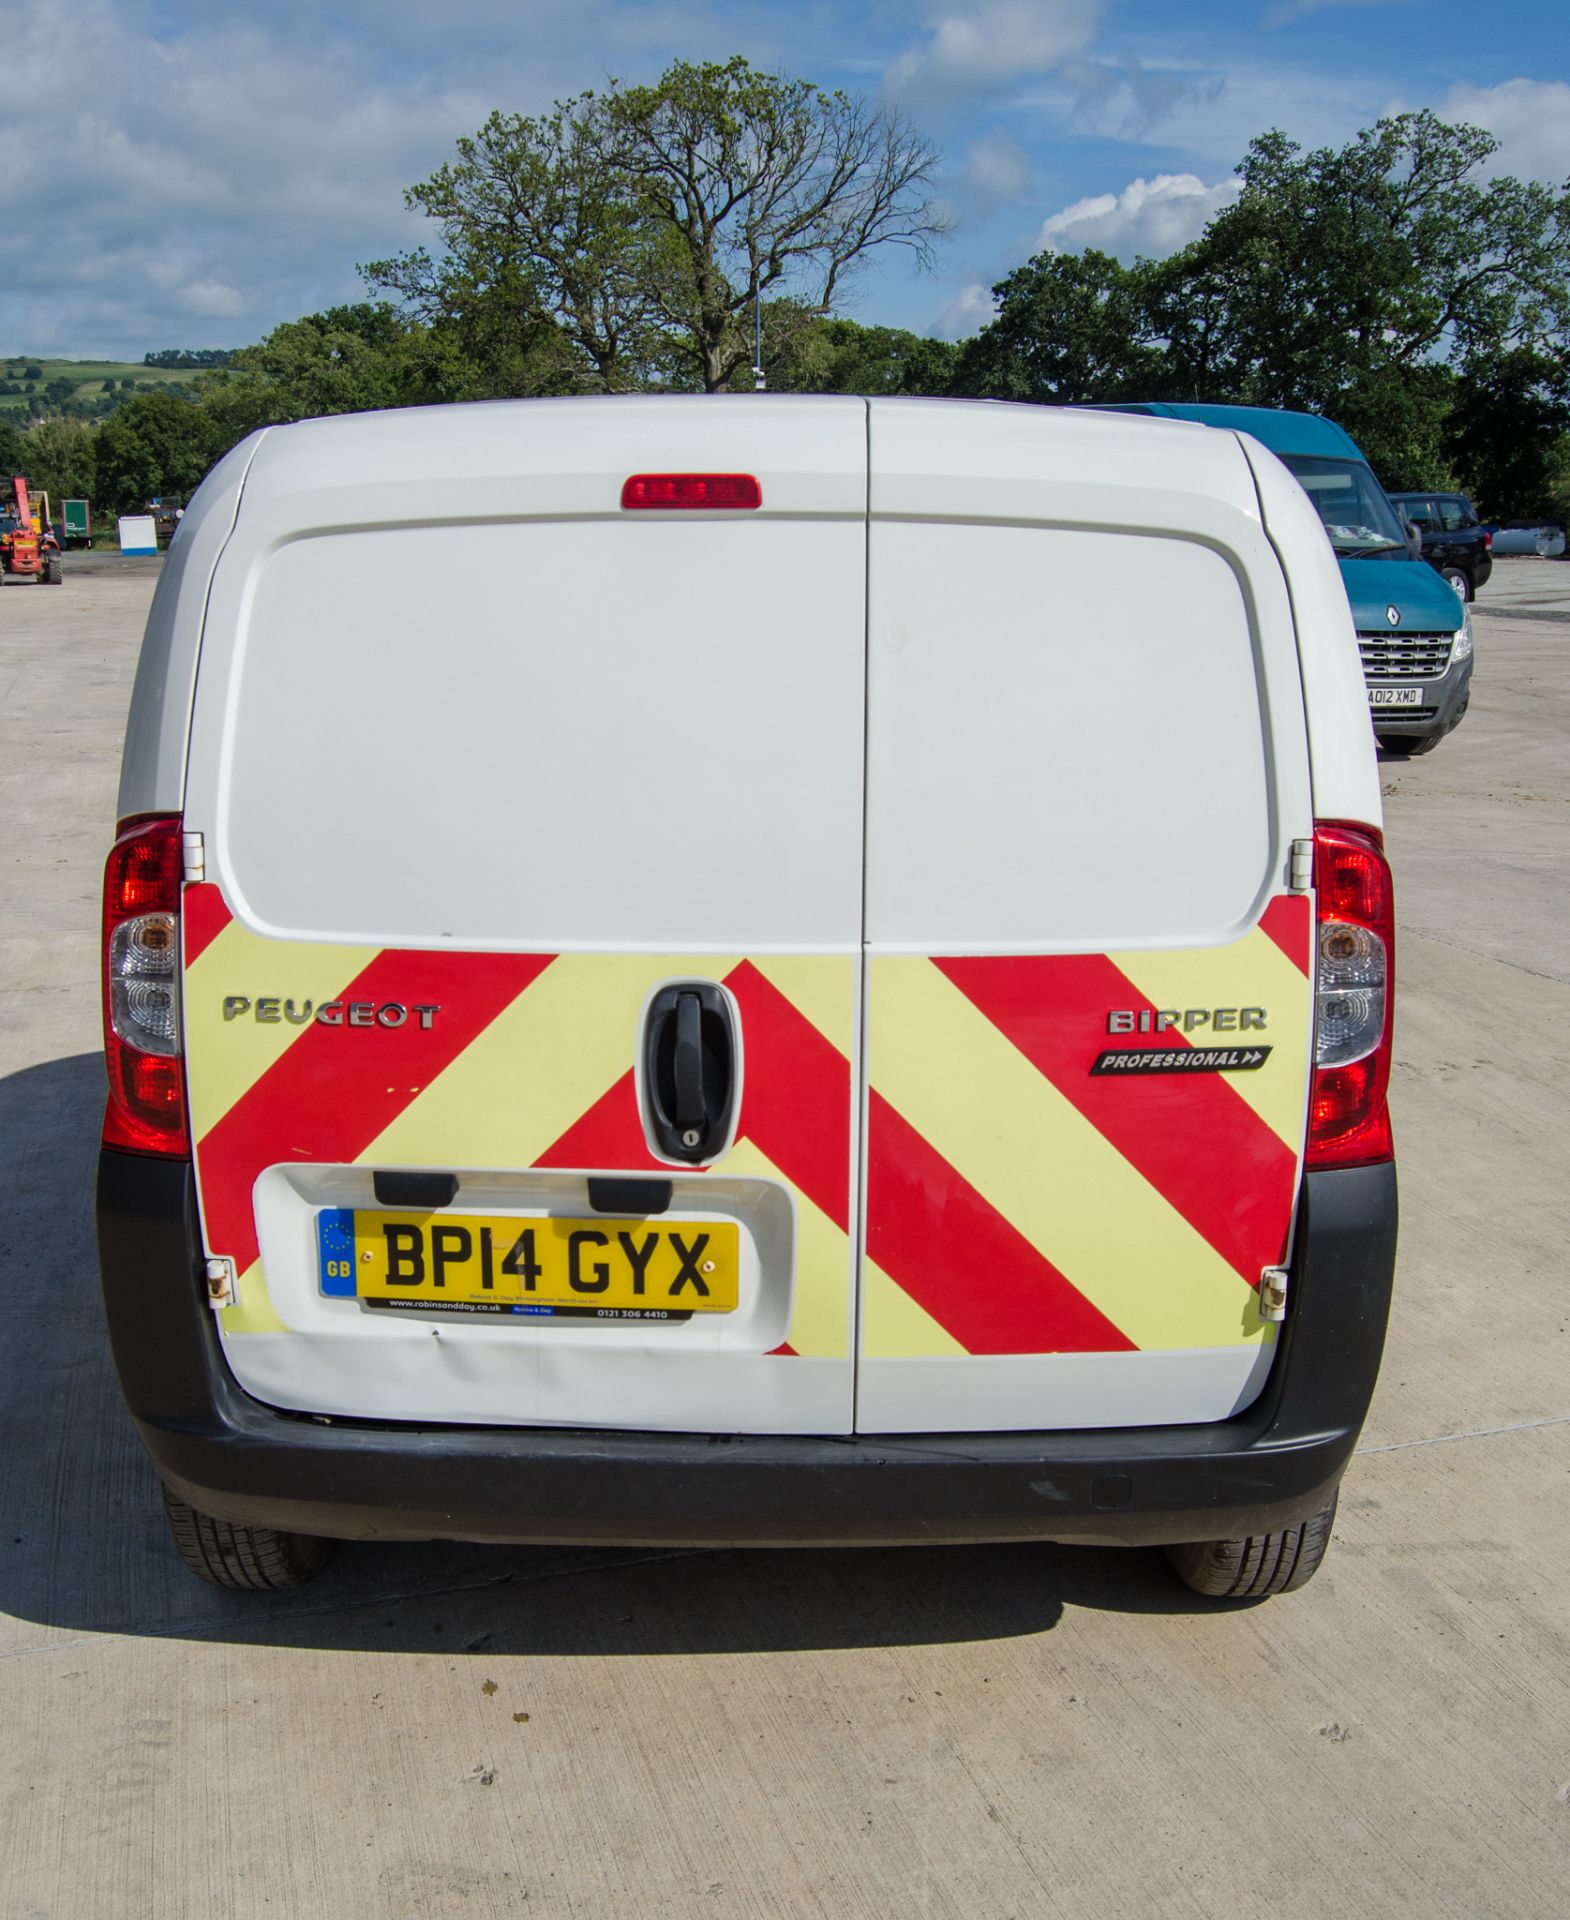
(1012, 1731)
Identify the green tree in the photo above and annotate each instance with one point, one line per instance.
(1400, 416)
(1069, 327)
(1509, 434)
(1344, 267)
(645, 223)
(155, 446)
(342, 361)
(192, 357)
(842, 356)
(757, 185)
(538, 231)
(1386, 283)
(477, 329)
(58, 455)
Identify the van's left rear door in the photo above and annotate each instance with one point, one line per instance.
(472, 789)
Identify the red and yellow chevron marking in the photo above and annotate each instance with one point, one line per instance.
(1016, 1204)
(527, 1065)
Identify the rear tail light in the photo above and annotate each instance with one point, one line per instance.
(146, 1111)
(1354, 984)
(690, 492)
(1488, 540)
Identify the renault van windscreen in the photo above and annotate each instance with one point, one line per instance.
(1360, 520)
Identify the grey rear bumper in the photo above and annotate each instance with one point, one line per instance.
(231, 1456)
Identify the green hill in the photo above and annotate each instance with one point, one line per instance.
(30, 385)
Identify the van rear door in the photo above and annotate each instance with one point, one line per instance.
(484, 762)
(1088, 980)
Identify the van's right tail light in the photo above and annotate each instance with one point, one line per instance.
(142, 1051)
(1354, 987)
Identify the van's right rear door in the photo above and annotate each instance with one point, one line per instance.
(1088, 995)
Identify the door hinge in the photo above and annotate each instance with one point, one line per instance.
(194, 854)
(220, 1284)
(1273, 1293)
(1301, 873)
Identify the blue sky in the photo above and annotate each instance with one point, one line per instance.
(200, 172)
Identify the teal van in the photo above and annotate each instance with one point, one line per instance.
(1413, 630)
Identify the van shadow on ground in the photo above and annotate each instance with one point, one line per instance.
(83, 1547)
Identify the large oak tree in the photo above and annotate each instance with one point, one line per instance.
(648, 223)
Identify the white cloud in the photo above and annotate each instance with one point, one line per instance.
(1529, 118)
(201, 187)
(212, 300)
(1150, 217)
(989, 46)
(1286, 11)
(1125, 98)
(968, 312)
(1208, 109)
(997, 167)
(214, 169)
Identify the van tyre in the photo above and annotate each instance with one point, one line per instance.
(1254, 1568)
(1407, 746)
(246, 1559)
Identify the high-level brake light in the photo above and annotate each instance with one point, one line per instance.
(1348, 1115)
(146, 1111)
(691, 492)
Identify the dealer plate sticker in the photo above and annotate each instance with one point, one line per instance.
(597, 1268)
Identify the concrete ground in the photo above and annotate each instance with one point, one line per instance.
(983, 1734)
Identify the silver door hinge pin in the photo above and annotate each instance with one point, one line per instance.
(1273, 1293)
(194, 858)
(220, 1283)
(1301, 876)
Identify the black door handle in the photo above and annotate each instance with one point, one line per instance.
(689, 1058)
(688, 1064)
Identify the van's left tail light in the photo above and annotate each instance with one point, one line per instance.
(142, 1050)
(1354, 997)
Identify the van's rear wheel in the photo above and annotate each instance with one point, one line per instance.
(1260, 1565)
(248, 1559)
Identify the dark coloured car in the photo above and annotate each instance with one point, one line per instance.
(1455, 543)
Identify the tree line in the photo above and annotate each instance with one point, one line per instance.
(632, 241)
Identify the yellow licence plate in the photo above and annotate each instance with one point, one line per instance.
(492, 1263)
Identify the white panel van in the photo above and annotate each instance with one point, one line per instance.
(857, 928)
